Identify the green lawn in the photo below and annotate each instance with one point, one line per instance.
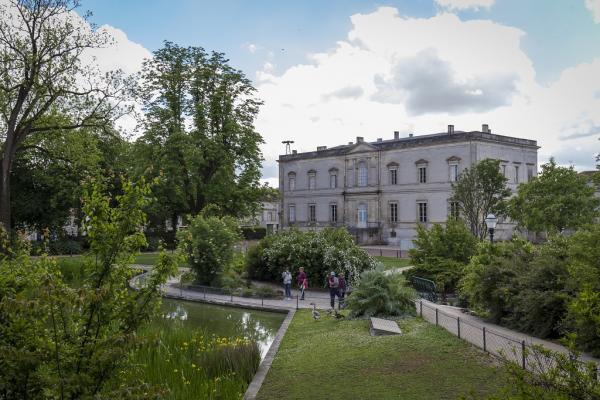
(331, 359)
(393, 262)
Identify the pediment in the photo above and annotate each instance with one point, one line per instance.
(361, 148)
(453, 158)
(421, 161)
(393, 164)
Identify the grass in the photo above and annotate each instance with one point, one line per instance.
(393, 262)
(331, 359)
(190, 365)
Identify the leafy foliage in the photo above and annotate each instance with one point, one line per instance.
(208, 245)
(480, 190)
(551, 375)
(213, 159)
(441, 253)
(381, 294)
(559, 198)
(319, 252)
(61, 342)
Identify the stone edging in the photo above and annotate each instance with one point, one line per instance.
(263, 369)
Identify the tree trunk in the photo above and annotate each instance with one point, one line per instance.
(5, 167)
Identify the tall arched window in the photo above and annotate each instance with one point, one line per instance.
(362, 214)
(292, 181)
(312, 179)
(363, 174)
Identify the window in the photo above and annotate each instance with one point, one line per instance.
(292, 213)
(292, 182)
(332, 181)
(270, 216)
(454, 210)
(453, 172)
(393, 212)
(362, 214)
(312, 213)
(362, 174)
(393, 176)
(529, 172)
(516, 174)
(503, 168)
(312, 180)
(333, 212)
(422, 174)
(422, 211)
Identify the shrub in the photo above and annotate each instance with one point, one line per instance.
(319, 252)
(381, 294)
(441, 253)
(208, 244)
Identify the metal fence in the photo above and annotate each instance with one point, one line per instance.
(488, 340)
(396, 253)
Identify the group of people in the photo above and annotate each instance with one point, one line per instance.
(336, 285)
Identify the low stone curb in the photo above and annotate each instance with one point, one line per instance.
(265, 365)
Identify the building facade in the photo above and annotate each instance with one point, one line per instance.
(267, 217)
(381, 190)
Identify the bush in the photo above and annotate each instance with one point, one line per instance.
(441, 253)
(381, 294)
(254, 232)
(208, 244)
(319, 252)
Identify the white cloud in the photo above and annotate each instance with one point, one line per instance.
(594, 7)
(465, 4)
(252, 48)
(420, 74)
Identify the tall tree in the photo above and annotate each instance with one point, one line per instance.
(559, 198)
(480, 190)
(42, 74)
(199, 133)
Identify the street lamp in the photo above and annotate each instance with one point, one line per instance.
(491, 221)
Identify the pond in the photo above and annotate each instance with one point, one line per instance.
(259, 326)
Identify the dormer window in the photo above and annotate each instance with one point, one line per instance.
(393, 173)
(421, 171)
(292, 181)
(312, 179)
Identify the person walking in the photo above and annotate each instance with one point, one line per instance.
(287, 283)
(302, 282)
(342, 286)
(333, 283)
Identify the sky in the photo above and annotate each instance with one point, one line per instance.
(329, 71)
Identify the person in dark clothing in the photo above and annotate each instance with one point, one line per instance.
(342, 287)
(302, 282)
(333, 283)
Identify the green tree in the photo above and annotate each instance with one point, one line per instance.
(58, 342)
(480, 190)
(558, 198)
(42, 76)
(441, 253)
(199, 134)
(208, 242)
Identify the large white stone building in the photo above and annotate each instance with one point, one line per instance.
(380, 190)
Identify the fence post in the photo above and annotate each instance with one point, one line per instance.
(262, 300)
(458, 326)
(380, 253)
(397, 253)
(204, 290)
(231, 294)
(436, 316)
(484, 346)
(296, 302)
(421, 308)
(523, 353)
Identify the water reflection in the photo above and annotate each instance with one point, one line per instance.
(260, 326)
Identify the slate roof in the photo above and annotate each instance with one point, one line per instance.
(416, 141)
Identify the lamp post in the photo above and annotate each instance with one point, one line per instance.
(491, 221)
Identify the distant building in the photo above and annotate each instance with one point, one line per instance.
(381, 190)
(267, 217)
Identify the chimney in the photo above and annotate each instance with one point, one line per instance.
(379, 139)
(350, 143)
(396, 135)
(360, 139)
(485, 128)
(410, 135)
(319, 148)
(450, 129)
(294, 151)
